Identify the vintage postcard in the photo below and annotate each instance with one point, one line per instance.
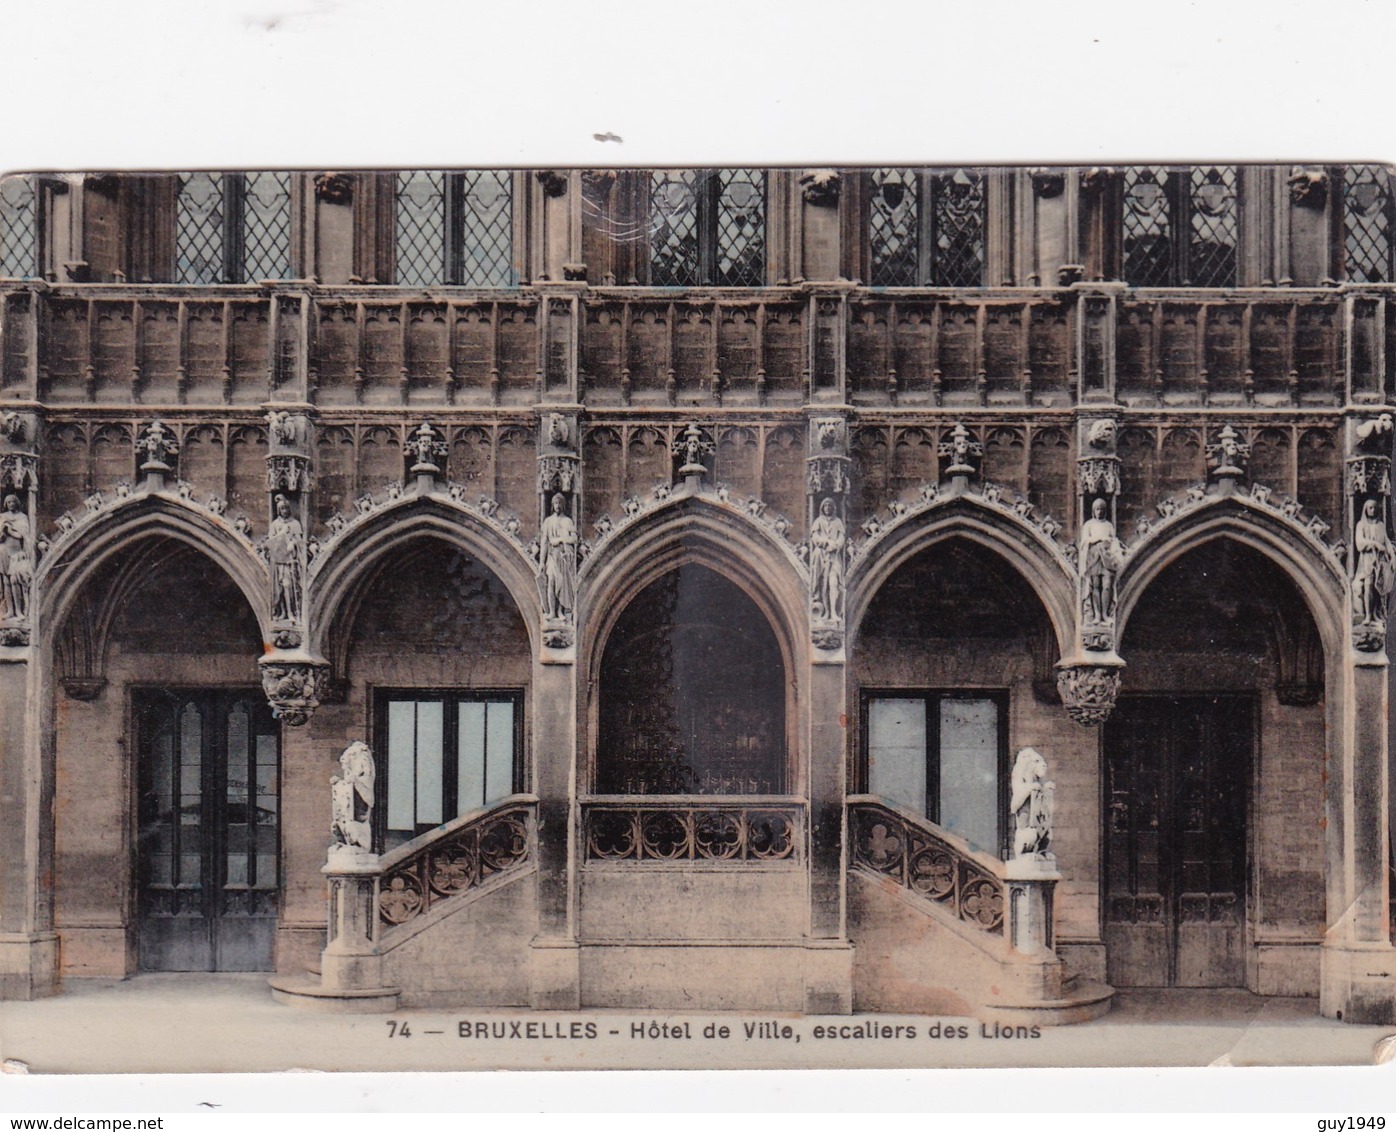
(722, 617)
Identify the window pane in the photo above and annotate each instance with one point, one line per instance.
(1367, 224)
(430, 733)
(499, 767)
(959, 204)
(470, 753)
(402, 770)
(674, 244)
(199, 228)
(1213, 227)
(266, 226)
(897, 751)
(487, 229)
(741, 228)
(1148, 247)
(969, 770)
(238, 796)
(421, 228)
(191, 750)
(18, 228)
(894, 220)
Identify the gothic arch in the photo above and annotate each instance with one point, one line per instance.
(339, 574)
(77, 555)
(691, 529)
(1040, 562)
(1313, 569)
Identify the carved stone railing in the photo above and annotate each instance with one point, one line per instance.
(734, 831)
(344, 345)
(455, 859)
(887, 841)
(961, 348)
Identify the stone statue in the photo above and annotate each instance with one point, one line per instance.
(828, 541)
(1031, 805)
(1100, 558)
(351, 798)
(1375, 566)
(557, 557)
(285, 550)
(16, 558)
(154, 445)
(1101, 434)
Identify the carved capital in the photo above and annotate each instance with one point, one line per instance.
(288, 473)
(820, 187)
(1099, 475)
(19, 471)
(828, 638)
(1368, 475)
(84, 688)
(292, 687)
(557, 473)
(553, 183)
(1088, 691)
(1048, 183)
(1308, 188)
(14, 634)
(1094, 180)
(829, 475)
(334, 188)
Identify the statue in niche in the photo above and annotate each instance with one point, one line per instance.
(557, 557)
(1375, 567)
(828, 540)
(351, 798)
(285, 551)
(1031, 805)
(1100, 557)
(16, 558)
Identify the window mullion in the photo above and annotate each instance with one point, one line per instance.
(454, 226)
(1180, 221)
(710, 182)
(925, 230)
(234, 191)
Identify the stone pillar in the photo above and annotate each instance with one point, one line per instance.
(28, 945)
(554, 967)
(1030, 883)
(1358, 961)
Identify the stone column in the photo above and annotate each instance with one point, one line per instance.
(28, 945)
(1358, 961)
(291, 677)
(828, 966)
(554, 975)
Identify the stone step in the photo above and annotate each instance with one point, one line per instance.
(306, 992)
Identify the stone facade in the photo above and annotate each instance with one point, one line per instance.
(997, 469)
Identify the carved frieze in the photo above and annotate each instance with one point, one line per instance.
(1089, 691)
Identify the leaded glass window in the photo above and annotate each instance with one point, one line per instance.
(232, 227)
(455, 228)
(708, 227)
(894, 228)
(926, 229)
(1367, 224)
(19, 228)
(1179, 228)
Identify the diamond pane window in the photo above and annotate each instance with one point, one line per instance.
(674, 243)
(707, 227)
(958, 219)
(19, 228)
(200, 235)
(1367, 224)
(1181, 227)
(894, 223)
(1213, 227)
(421, 228)
(455, 228)
(741, 228)
(1148, 230)
(266, 226)
(487, 229)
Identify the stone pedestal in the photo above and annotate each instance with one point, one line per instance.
(1030, 882)
(554, 974)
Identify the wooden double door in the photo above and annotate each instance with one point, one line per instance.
(1177, 769)
(208, 819)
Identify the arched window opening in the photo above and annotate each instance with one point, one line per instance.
(692, 693)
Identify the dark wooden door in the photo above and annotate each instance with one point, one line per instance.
(208, 820)
(1175, 840)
